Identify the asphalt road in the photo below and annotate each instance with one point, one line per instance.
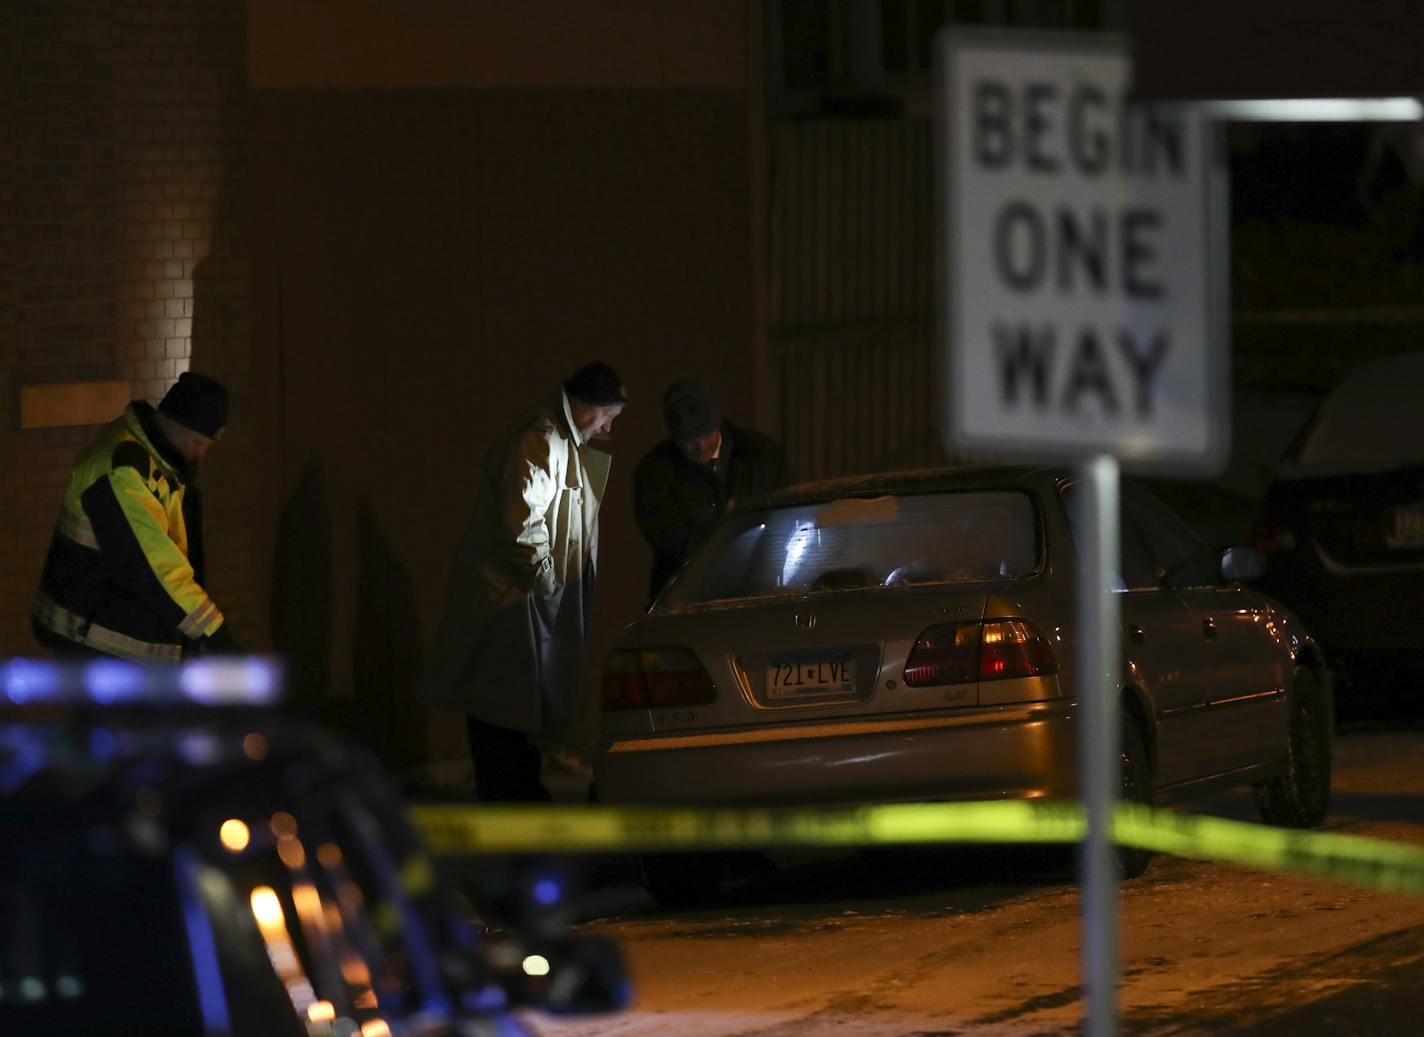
(985, 941)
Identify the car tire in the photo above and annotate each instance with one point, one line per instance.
(1300, 795)
(1135, 786)
(679, 880)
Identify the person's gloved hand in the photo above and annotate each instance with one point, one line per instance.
(220, 642)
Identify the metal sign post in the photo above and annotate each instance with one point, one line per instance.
(1083, 288)
(1098, 748)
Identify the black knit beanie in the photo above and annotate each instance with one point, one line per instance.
(597, 384)
(197, 402)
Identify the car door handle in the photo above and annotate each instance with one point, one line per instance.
(1135, 634)
(1209, 628)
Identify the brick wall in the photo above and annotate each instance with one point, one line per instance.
(122, 250)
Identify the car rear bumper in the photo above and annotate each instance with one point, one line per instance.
(1001, 753)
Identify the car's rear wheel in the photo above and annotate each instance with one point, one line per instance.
(1135, 787)
(682, 879)
(1300, 795)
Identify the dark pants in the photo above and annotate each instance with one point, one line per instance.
(507, 765)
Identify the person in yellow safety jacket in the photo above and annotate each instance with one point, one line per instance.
(124, 573)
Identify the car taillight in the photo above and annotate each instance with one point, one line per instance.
(1014, 648)
(996, 649)
(655, 678)
(946, 654)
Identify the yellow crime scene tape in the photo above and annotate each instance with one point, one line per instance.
(451, 830)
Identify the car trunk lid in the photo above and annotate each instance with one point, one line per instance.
(839, 654)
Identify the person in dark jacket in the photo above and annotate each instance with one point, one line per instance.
(124, 573)
(705, 468)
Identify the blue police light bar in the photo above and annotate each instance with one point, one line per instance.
(215, 681)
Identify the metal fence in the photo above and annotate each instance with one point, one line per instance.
(851, 266)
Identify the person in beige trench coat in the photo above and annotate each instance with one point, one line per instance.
(508, 650)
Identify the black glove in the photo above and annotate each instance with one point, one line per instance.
(220, 642)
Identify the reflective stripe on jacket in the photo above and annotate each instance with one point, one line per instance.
(124, 570)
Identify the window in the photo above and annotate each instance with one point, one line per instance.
(1180, 558)
(858, 542)
(1135, 568)
(89, 928)
(850, 57)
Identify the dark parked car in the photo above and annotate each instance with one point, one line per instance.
(177, 859)
(912, 637)
(1342, 528)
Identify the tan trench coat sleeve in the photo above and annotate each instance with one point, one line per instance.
(533, 478)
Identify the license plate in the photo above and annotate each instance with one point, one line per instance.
(819, 677)
(1407, 530)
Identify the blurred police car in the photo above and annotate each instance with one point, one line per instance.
(175, 858)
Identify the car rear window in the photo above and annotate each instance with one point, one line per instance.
(858, 542)
(1370, 422)
(88, 937)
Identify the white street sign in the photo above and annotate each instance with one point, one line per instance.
(1085, 258)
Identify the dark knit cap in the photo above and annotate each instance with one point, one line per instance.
(197, 402)
(690, 410)
(595, 383)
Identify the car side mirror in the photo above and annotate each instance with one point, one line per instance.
(1241, 563)
(561, 975)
